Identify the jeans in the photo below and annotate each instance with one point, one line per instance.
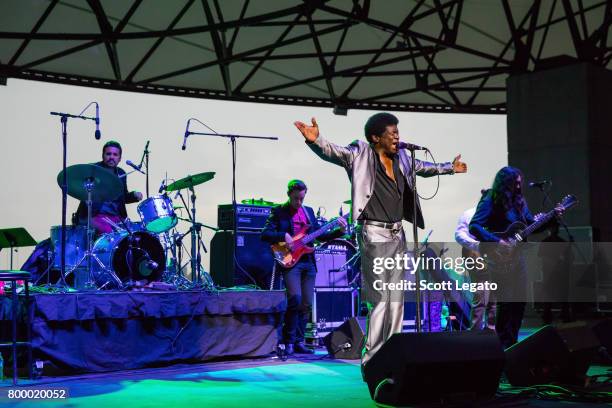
(511, 299)
(299, 283)
(484, 304)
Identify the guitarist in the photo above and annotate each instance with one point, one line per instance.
(503, 205)
(285, 221)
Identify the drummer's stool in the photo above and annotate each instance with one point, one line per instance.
(13, 277)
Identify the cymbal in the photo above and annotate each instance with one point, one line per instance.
(261, 201)
(106, 184)
(347, 202)
(191, 181)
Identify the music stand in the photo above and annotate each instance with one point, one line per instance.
(15, 238)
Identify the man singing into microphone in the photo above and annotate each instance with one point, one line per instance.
(381, 196)
(115, 210)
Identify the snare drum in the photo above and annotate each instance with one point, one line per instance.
(157, 214)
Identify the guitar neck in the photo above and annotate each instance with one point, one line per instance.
(543, 220)
(314, 235)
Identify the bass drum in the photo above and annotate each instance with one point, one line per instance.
(147, 261)
(337, 263)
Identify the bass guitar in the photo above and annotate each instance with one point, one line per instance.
(288, 257)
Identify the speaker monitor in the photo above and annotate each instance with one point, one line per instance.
(346, 341)
(603, 331)
(414, 368)
(253, 262)
(561, 353)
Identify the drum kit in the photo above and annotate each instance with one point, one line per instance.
(134, 254)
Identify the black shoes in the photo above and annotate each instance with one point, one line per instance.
(300, 348)
(285, 350)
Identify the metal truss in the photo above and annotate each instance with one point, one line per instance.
(347, 73)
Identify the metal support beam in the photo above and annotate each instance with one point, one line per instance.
(237, 57)
(34, 30)
(158, 42)
(220, 48)
(106, 30)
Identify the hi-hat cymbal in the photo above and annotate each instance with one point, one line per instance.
(105, 184)
(191, 181)
(347, 202)
(261, 202)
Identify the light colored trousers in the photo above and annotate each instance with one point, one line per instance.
(385, 308)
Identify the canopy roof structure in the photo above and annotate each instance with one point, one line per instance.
(405, 55)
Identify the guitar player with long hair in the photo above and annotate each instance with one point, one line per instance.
(285, 222)
(497, 210)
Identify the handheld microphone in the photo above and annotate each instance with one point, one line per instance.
(135, 167)
(538, 183)
(410, 146)
(186, 135)
(97, 134)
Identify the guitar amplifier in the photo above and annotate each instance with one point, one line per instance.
(333, 306)
(251, 263)
(247, 217)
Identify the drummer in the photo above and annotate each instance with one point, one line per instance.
(115, 210)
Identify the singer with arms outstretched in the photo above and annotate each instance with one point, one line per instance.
(381, 193)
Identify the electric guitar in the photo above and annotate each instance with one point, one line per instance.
(287, 258)
(518, 231)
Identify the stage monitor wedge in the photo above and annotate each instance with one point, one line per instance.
(444, 367)
(561, 354)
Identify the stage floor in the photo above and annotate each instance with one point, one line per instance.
(314, 381)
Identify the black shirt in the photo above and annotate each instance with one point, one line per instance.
(490, 218)
(386, 203)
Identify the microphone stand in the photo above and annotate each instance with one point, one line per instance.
(64, 121)
(415, 237)
(145, 159)
(232, 139)
(563, 224)
(197, 244)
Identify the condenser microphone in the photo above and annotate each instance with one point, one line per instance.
(186, 136)
(97, 134)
